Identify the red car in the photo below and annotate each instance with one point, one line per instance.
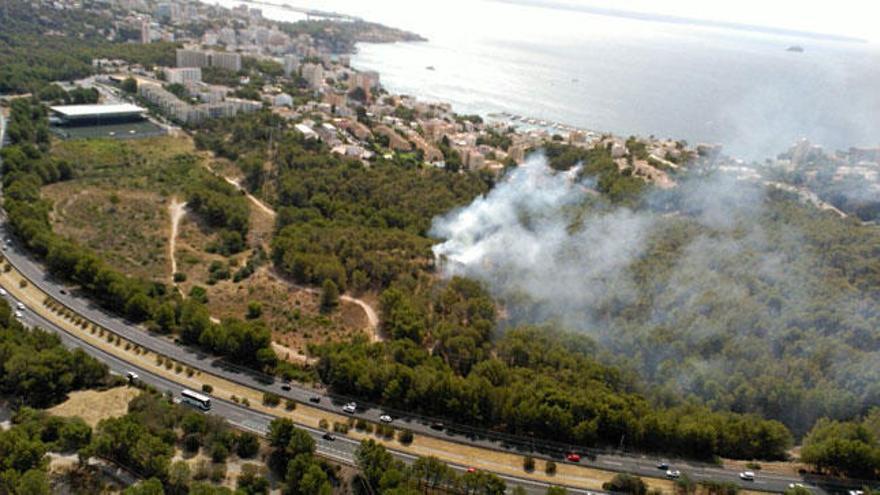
(472, 470)
(572, 457)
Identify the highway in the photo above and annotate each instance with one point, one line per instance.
(341, 449)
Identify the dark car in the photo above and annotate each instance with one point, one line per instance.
(316, 399)
(436, 425)
(285, 387)
(664, 465)
(328, 436)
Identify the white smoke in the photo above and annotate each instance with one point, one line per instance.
(530, 236)
(707, 266)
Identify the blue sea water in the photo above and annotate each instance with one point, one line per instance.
(742, 89)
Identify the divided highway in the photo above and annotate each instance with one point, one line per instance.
(342, 448)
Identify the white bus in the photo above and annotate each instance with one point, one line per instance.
(196, 400)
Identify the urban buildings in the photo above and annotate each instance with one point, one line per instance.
(183, 75)
(202, 59)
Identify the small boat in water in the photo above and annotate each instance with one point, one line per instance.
(430, 67)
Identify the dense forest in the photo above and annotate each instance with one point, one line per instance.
(28, 165)
(36, 370)
(361, 227)
(33, 50)
(367, 228)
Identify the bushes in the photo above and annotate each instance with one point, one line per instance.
(405, 437)
(624, 483)
(270, 399)
(26, 168)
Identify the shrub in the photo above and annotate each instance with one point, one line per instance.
(219, 452)
(218, 472)
(529, 463)
(202, 470)
(405, 437)
(625, 483)
(207, 388)
(290, 405)
(550, 468)
(179, 277)
(247, 445)
(254, 310)
(270, 399)
(323, 424)
(192, 442)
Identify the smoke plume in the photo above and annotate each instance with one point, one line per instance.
(703, 289)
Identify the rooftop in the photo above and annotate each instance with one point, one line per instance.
(90, 110)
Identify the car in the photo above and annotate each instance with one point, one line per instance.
(132, 376)
(19, 306)
(2, 292)
(328, 436)
(673, 473)
(386, 418)
(285, 387)
(350, 408)
(472, 469)
(572, 457)
(796, 485)
(436, 425)
(664, 465)
(747, 476)
(19, 314)
(316, 399)
(63, 292)
(856, 492)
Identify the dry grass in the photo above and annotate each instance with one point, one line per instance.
(93, 406)
(129, 228)
(504, 463)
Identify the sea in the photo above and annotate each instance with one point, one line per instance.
(749, 90)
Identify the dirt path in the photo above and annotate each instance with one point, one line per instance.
(369, 311)
(256, 201)
(372, 317)
(177, 210)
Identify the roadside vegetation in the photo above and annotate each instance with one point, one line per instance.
(28, 165)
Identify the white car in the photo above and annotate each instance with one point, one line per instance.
(856, 492)
(132, 376)
(19, 315)
(673, 473)
(350, 408)
(386, 418)
(20, 306)
(747, 476)
(2, 292)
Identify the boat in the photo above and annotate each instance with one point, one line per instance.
(795, 49)
(430, 67)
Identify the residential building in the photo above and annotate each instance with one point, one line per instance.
(145, 32)
(192, 58)
(291, 64)
(226, 60)
(314, 75)
(183, 75)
